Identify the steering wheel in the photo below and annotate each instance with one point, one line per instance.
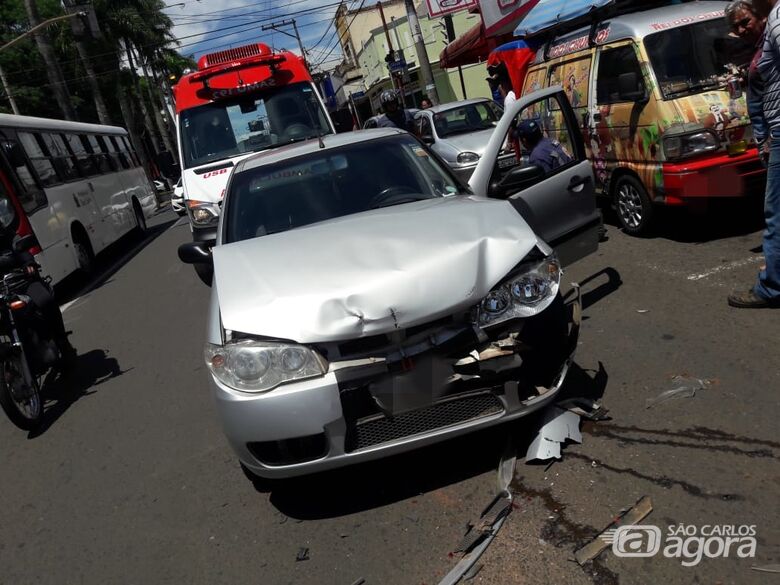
(297, 130)
(391, 196)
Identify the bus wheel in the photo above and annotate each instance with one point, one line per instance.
(633, 205)
(84, 254)
(140, 220)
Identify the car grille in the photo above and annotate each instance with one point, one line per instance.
(456, 410)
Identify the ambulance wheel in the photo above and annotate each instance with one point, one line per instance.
(633, 206)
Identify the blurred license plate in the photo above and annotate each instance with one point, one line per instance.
(507, 162)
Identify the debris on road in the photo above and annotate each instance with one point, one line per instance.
(642, 311)
(682, 387)
(479, 536)
(586, 408)
(360, 581)
(303, 554)
(767, 569)
(634, 515)
(558, 425)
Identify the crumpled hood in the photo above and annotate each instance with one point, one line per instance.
(371, 272)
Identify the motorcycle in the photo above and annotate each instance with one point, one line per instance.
(27, 350)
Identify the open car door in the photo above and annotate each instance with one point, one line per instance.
(550, 183)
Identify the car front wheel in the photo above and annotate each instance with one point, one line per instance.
(633, 206)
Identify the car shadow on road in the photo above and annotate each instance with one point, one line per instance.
(109, 262)
(716, 219)
(389, 480)
(60, 391)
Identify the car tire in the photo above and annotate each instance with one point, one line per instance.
(84, 254)
(633, 207)
(140, 219)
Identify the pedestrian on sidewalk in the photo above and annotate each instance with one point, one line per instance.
(766, 292)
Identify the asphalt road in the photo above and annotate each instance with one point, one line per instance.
(131, 481)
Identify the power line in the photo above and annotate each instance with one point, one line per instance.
(341, 38)
(244, 26)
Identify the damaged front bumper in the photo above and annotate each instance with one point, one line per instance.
(419, 394)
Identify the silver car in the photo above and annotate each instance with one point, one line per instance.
(365, 302)
(459, 132)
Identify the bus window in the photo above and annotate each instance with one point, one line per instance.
(62, 159)
(31, 196)
(112, 153)
(86, 164)
(122, 156)
(98, 156)
(39, 158)
(128, 148)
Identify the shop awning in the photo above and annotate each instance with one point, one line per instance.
(470, 47)
(549, 13)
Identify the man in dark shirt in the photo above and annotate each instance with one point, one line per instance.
(543, 152)
(395, 116)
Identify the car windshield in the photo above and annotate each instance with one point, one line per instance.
(468, 118)
(249, 123)
(332, 183)
(689, 59)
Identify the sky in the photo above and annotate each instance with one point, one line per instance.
(202, 26)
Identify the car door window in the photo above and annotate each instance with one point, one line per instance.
(540, 136)
(574, 77)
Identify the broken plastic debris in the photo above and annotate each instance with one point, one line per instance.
(643, 311)
(585, 407)
(595, 547)
(682, 387)
(767, 568)
(557, 426)
(303, 554)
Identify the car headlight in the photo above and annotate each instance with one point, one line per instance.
(467, 157)
(259, 366)
(529, 291)
(686, 145)
(203, 213)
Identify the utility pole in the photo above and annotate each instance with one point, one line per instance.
(450, 30)
(391, 54)
(275, 26)
(422, 53)
(7, 90)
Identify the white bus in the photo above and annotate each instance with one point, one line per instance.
(77, 187)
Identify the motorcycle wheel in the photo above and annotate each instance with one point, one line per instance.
(20, 395)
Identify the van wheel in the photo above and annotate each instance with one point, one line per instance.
(634, 209)
(84, 254)
(140, 220)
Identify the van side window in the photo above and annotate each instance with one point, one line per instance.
(119, 148)
(612, 64)
(574, 76)
(98, 156)
(79, 150)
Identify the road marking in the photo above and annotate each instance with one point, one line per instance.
(110, 270)
(725, 267)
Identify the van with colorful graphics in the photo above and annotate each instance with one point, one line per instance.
(648, 88)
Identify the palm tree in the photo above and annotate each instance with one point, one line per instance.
(53, 71)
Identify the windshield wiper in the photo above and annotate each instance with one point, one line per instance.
(694, 87)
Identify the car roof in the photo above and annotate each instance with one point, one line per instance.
(454, 105)
(278, 154)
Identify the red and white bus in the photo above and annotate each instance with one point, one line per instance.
(77, 187)
(238, 102)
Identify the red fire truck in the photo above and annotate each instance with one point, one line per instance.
(239, 101)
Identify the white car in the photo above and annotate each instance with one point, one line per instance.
(366, 302)
(177, 199)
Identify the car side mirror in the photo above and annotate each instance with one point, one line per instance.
(24, 243)
(516, 180)
(196, 253)
(630, 89)
(427, 138)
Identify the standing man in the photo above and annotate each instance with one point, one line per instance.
(394, 115)
(766, 292)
